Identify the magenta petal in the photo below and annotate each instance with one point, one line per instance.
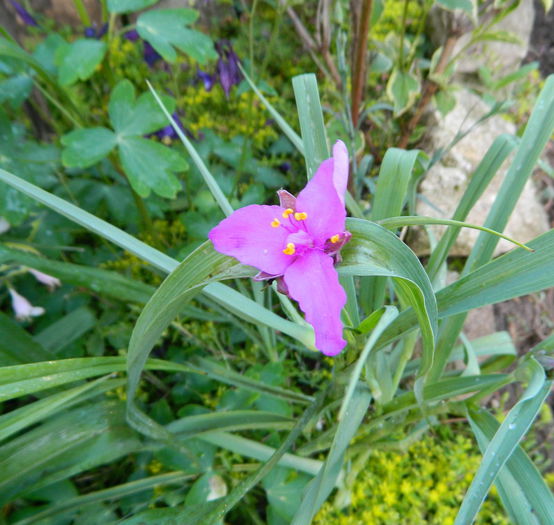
(313, 281)
(320, 200)
(248, 236)
(340, 168)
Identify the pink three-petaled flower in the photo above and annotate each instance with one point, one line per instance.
(298, 243)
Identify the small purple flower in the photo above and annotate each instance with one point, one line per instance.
(94, 31)
(298, 243)
(227, 66)
(22, 308)
(25, 16)
(168, 132)
(44, 278)
(150, 55)
(206, 78)
(132, 35)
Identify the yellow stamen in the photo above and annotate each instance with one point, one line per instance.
(287, 212)
(300, 215)
(275, 223)
(335, 238)
(290, 249)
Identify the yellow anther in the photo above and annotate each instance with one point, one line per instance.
(275, 223)
(335, 238)
(287, 212)
(290, 249)
(300, 215)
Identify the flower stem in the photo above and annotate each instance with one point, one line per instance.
(360, 52)
(82, 11)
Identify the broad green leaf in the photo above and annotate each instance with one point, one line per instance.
(468, 6)
(504, 442)
(86, 147)
(283, 489)
(136, 117)
(79, 60)
(402, 89)
(310, 115)
(16, 89)
(520, 484)
(165, 30)
(445, 101)
(128, 6)
(17, 346)
(151, 166)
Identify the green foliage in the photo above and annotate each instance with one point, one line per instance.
(149, 391)
(166, 30)
(424, 483)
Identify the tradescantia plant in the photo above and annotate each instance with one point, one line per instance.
(388, 385)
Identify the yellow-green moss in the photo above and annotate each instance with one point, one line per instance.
(426, 484)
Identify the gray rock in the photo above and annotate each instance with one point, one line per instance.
(500, 57)
(444, 185)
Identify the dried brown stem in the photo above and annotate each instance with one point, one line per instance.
(359, 62)
(330, 71)
(429, 89)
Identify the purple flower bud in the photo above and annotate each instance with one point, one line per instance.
(206, 78)
(227, 66)
(22, 308)
(168, 132)
(150, 55)
(25, 16)
(94, 31)
(132, 35)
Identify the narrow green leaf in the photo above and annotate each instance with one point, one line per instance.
(374, 250)
(537, 133)
(310, 115)
(112, 493)
(66, 329)
(199, 268)
(321, 486)
(281, 122)
(22, 417)
(485, 171)
(407, 220)
(103, 282)
(504, 442)
(519, 473)
(208, 177)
